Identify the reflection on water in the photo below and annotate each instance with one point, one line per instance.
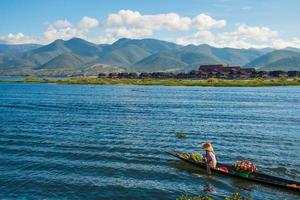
(109, 142)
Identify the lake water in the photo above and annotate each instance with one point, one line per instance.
(108, 142)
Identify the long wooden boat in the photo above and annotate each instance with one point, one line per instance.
(255, 177)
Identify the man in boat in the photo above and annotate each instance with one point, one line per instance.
(210, 157)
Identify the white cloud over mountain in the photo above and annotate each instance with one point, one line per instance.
(87, 23)
(198, 29)
(244, 32)
(206, 22)
(199, 37)
(61, 24)
(243, 37)
(18, 38)
(132, 24)
(62, 29)
(127, 23)
(279, 44)
(129, 18)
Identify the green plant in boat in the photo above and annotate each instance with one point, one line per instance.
(197, 157)
(180, 135)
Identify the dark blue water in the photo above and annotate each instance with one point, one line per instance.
(108, 142)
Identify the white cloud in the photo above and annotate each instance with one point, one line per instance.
(238, 43)
(123, 17)
(61, 24)
(243, 37)
(128, 32)
(132, 24)
(129, 18)
(250, 32)
(87, 23)
(200, 37)
(104, 39)
(205, 22)
(198, 29)
(280, 44)
(112, 34)
(62, 29)
(18, 38)
(247, 37)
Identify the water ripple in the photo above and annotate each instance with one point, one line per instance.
(109, 142)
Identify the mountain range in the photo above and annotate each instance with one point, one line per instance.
(77, 56)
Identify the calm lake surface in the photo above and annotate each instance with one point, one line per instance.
(108, 142)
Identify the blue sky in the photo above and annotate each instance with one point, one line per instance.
(233, 23)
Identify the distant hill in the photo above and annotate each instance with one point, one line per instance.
(60, 55)
(277, 60)
(286, 64)
(231, 56)
(159, 62)
(77, 56)
(11, 55)
(292, 49)
(150, 45)
(17, 48)
(123, 56)
(176, 60)
(63, 61)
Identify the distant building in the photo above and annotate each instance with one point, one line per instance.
(219, 71)
(262, 74)
(210, 68)
(293, 73)
(102, 75)
(278, 74)
(204, 72)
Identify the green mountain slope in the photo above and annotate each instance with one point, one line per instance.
(194, 59)
(59, 54)
(286, 64)
(236, 56)
(150, 45)
(82, 47)
(80, 56)
(44, 54)
(176, 60)
(279, 59)
(63, 61)
(11, 56)
(123, 56)
(226, 55)
(17, 48)
(76, 46)
(292, 49)
(158, 62)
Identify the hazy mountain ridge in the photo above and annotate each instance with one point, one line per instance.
(77, 56)
(17, 48)
(277, 60)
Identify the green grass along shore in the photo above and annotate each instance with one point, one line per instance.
(212, 82)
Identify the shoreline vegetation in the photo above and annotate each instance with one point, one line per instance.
(210, 82)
